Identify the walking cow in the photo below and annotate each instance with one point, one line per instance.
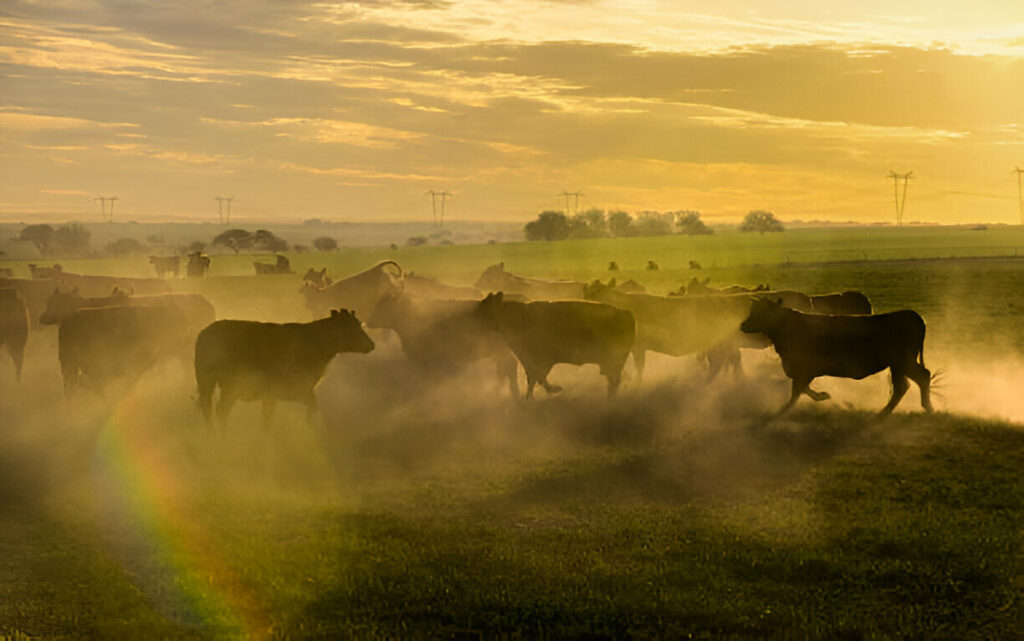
(845, 346)
(13, 326)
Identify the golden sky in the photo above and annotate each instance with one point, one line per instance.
(353, 110)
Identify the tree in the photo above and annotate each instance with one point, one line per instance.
(196, 246)
(325, 244)
(550, 225)
(588, 224)
(688, 222)
(39, 235)
(268, 240)
(125, 247)
(155, 239)
(72, 239)
(652, 223)
(234, 239)
(620, 224)
(761, 221)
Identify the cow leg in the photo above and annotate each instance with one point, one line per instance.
(17, 353)
(227, 400)
(613, 383)
(800, 385)
(268, 411)
(920, 375)
(899, 388)
(543, 380)
(816, 395)
(509, 370)
(639, 358)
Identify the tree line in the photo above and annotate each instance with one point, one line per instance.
(597, 223)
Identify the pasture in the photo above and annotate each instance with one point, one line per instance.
(447, 510)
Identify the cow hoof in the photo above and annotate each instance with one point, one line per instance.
(821, 396)
(553, 389)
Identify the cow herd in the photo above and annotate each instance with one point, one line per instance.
(117, 328)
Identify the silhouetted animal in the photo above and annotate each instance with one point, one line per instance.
(165, 264)
(429, 287)
(844, 346)
(679, 326)
(45, 272)
(282, 266)
(443, 336)
(198, 265)
(613, 266)
(271, 362)
(694, 265)
(847, 303)
(544, 333)
(13, 326)
(700, 287)
(630, 287)
(97, 346)
(102, 285)
(652, 266)
(319, 279)
(359, 292)
(197, 311)
(495, 278)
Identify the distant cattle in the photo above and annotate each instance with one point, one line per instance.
(544, 333)
(847, 303)
(13, 326)
(319, 279)
(98, 346)
(165, 265)
(6, 272)
(443, 336)
(495, 279)
(271, 362)
(45, 272)
(630, 287)
(89, 285)
(679, 326)
(701, 287)
(359, 292)
(613, 266)
(694, 265)
(844, 346)
(198, 265)
(429, 287)
(653, 266)
(196, 310)
(281, 266)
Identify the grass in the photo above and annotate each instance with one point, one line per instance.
(448, 512)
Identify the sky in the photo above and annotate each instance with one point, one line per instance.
(355, 111)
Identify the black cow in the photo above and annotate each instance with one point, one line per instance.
(849, 303)
(271, 362)
(165, 264)
(442, 336)
(13, 326)
(197, 311)
(198, 265)
(316, 278)
(845, 346)
(495, 278)
(542, 334)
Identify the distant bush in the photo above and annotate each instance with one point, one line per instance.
(688, 222)
(325, 244)
(761, 221)
(125, 247)
(550, 225)
(416, 240)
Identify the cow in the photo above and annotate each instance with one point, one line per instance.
(630, 287)
(679, 326)
(429, 287)
(848, 303)
(544, 333)
(652, 266)
(844, 346)
(271, 362)
(89, 285)
(495, 278)
(320, 279)
(97, 346)
(45, 272)
(282, 266)
(694, 265)
(165, 264)
(196, 310)
(613, 266)
(443, 336)
(701, 288)
(14, 326)
(198, 265)
(359, 292)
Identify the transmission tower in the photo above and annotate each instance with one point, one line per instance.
(1020, 194)
(103, 207)
(444, 196)
(900, 201)
(220, 208)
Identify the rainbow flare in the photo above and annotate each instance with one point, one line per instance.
(162, 546)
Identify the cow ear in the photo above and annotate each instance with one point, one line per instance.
(334, 313)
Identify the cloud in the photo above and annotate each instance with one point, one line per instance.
(19, 121)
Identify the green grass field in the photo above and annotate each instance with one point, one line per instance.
(449, 511)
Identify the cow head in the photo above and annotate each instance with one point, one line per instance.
(595, 288)
(490, 306)
(61, 304)
(766, 314)
(350, 335)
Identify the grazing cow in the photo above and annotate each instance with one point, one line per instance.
(495, 278)
(165, 264)
(613, 266)
(271, 362)
(6, 272)
(678, 326)
(845, 346)
(282, 266)
(700, 288)
(443, 336)
(429, 287)
(359, 292)
(197, 311)
(630, 287)
(694, 265)
(13, 326)
(544, 333)
(319, 279)
(45, 272)
(652, 266)
(198, 265)
(99, 345)
(103, 285)
(848, 303)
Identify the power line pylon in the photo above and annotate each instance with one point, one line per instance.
(1020, 194)
(900, 201)
(444, 196)
(103, 206)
